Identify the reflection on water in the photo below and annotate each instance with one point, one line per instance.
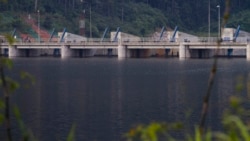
(106, 96)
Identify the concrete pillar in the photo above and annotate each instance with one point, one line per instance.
(66, 51)
(122, 51)
(248, 52)
(14, 52)
(184, 51)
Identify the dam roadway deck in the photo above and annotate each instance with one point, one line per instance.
(124, 48)
(130, 45)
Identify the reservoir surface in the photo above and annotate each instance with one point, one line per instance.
(105, 97)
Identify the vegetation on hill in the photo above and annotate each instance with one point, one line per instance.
(139, 17)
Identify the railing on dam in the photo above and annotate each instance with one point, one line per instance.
(124, 40)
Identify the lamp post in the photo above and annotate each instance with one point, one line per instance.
(218, 6)
(90, 17)
(90, 22)
(38, 14)
(82, 21)
(209, 20)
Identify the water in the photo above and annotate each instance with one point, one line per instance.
(105, 97)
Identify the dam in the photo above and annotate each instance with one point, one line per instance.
(124, 45)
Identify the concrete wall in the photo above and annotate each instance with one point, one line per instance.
(235, 52)
(120, 37)
(239, 52)
(227, 34)
(248, 52)
(201, 53)
(67, 52)
(69, 37)
(139, 53)
(185, 52)
(124, 37)
(182, 37)
(170, 34)
(104, 52)
(13, 52)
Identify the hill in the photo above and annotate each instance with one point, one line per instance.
(139, 17)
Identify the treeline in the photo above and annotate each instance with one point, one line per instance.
(135, 16)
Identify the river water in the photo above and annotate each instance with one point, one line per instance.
(105, 97)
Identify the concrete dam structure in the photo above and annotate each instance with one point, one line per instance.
(125, 45)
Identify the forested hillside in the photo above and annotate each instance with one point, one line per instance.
(140, 17)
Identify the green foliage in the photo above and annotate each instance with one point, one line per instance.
(152, 132)
(235, 122)
(199, 137)
(239, 84)
(10, 40)
(2, 106)
(241, 18)
(26, 134)
(12, 84)
(136, 17)
(237, 129)
(7, 63)
(1, 118)
(28, 77)
(71, 135)
(9, 86)
(47, 22)
(3, 1)
(235, 102)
